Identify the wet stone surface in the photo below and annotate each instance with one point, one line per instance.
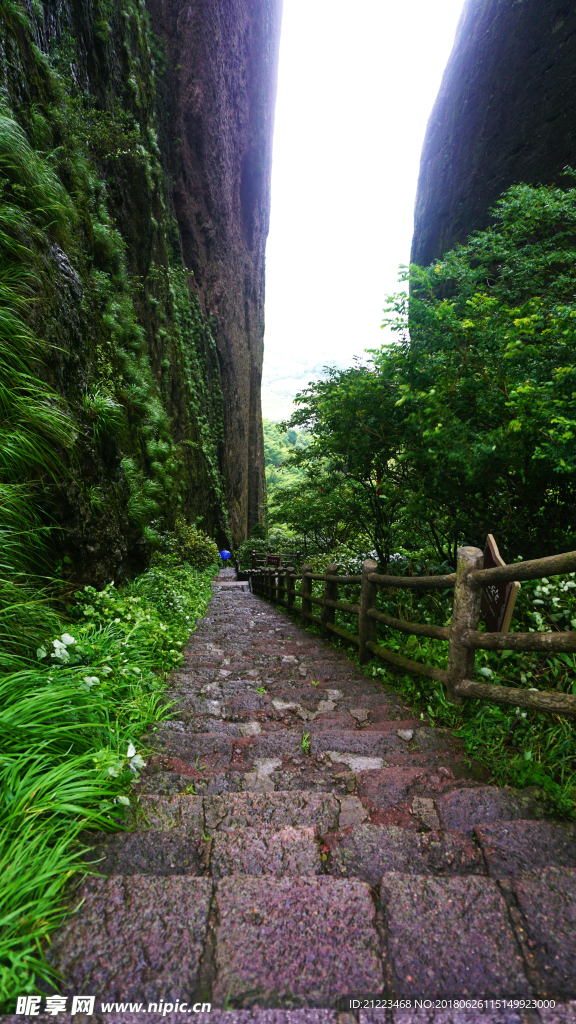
(300, 835)
(302, 941)
(264, 851)
(145, 853)
(368, 851)
(135, 938)
(464, 808)
(514, 847)
(547, 903)
(450, 938)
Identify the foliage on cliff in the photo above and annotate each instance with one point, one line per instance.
(467, 424)
(99, 288)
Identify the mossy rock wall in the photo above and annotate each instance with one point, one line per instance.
(130, 344)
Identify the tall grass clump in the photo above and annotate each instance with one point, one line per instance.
(69, 728)
(34, 425)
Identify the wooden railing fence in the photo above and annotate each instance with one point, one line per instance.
(463, 637)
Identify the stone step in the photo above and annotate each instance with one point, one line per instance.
(138, 938)
(464, 807)
(145, 853)
(146, 939)
(515, 847)
(197, 816)
(376, 743)
(259, 851)
(369, 851)
(501, 850)
(248, 836)
(313, 940)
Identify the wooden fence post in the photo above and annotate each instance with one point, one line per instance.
(290, 586)
(366, 626)
(465, 616)
(306, 595)
(331, 592)
(281, 585)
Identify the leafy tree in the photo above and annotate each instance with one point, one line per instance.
(488, 381)
(467, 423)
(278, 445)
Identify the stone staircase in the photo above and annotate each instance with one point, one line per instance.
(303, 841)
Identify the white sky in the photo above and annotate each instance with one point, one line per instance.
(357, 82)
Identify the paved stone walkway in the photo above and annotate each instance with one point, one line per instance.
(303, 839)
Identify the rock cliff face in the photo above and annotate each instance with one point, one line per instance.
(149, 284)
(505, 114)
(220, 91)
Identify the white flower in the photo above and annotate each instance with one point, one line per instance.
(60, 651)
(91, 681)
(137, 762)
(487, 672)
(131, 750)
(105, 670)
(67, 639)
(41, 653)
(124, 800)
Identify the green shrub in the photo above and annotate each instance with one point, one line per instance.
(193, 546)
(280, 540)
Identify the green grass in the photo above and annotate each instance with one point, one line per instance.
(69, 730)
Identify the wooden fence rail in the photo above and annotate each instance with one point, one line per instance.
(463, 636)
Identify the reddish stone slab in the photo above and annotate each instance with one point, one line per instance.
(180, 813)
(353, 741)
(145, 853)
(192, 744)
(138, 938)
(514, 847)
(262, 851)
(450, 938)
(387, 786)
(369, 851)
(278, 742)
(295, 942)
(464, 808)
(547, 902)
(300, 809)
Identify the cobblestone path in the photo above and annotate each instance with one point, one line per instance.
(303, 839)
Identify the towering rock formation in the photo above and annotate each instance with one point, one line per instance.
(149, 279)
(220, 91)
(505, 113)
